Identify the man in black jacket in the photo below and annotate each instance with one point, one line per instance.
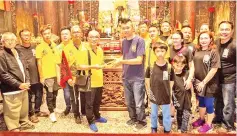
(14, 86)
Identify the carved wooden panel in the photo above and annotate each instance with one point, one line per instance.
(202, 14)
(233, 14)
(91, 9)
(113, 93)
(161, 9)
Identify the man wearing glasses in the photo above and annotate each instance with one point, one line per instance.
(93, 98)
(28, 54)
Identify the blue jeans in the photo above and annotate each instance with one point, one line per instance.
(228, 91)
(134, 98)
(66, 91)
(165, 113)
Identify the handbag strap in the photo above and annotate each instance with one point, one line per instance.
(89, 61)
(149, 55)
(81, 71)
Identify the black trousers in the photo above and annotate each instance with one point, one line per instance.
(37, 90)
(92, 101)
(219, 105)
(183, 119)
(51, 86)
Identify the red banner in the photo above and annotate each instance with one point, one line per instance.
(65, 71)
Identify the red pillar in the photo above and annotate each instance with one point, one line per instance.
(50, 15)
(185, 10)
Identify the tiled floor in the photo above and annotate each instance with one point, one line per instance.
(115, 124)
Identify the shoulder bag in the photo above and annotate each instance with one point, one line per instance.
(83, 81)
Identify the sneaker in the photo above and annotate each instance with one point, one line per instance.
(179, 131)
(205, 128)
(52, 117)
(15, 130)
(78, 120)
(93, 127)
(224, 130)
(166, 132)
(173, 120)
(27, 126)
(66, 111)
(101, 120)
(131, 122)
(42, 114)
(34, 119)
(153, 130)
(140, 125)
(198, 123)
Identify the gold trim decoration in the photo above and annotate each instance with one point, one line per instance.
(13, 11)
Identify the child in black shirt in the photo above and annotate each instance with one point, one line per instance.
(160, 88)
(181, 96)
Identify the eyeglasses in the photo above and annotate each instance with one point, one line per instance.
(9, 40)
(94, 37)
(76, 32)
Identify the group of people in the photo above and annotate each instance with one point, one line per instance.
(170, 66)
(26, 69)
(166, 67)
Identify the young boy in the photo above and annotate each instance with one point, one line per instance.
(160, 88)
(181, 96)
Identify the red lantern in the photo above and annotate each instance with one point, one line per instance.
(35, 15)
(211, 9)
(71, 1)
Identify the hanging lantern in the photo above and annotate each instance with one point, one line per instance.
(71, 1)
(211, 9)
(35, 15)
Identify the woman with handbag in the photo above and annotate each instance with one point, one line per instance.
(206, 63)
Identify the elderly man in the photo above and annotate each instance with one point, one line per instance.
(14, 85)
(71, 51)
(93, 98)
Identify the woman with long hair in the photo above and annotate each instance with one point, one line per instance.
(206, 64)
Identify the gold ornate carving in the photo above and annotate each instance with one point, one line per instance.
(13, 10)
(113, 93)
(71, 15)
(162, 9)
